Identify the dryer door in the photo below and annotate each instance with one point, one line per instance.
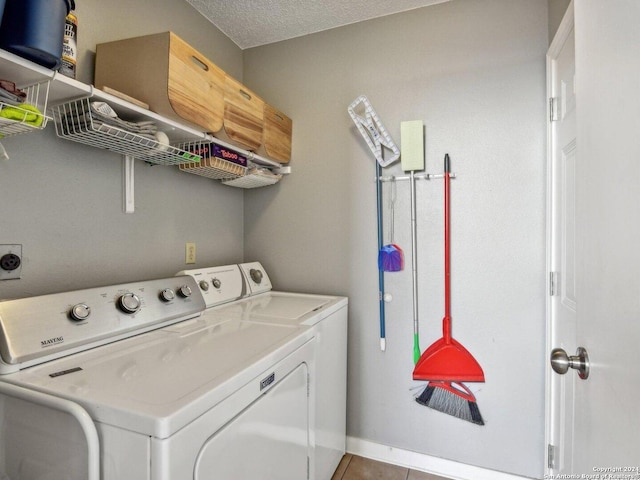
(267, 440)
(39, 442)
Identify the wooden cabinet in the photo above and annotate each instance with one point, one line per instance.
(276, 135)
(162, 70)
(243, 116)
(180, 83)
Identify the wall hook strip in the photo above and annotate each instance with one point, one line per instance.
(423, 176)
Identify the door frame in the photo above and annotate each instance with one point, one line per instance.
(559, 39)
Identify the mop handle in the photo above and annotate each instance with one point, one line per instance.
(446, 321)
(414, 271)
(383, 339)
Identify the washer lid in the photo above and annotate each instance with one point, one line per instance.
(290, 308)
(158, 382)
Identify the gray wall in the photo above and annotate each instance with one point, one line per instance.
(474, 72)
(557, 9)
(63, 201)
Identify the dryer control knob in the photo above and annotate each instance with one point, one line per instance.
(204, 285)
(256, 275)
(129, 303)
(184, 291)
(167, 295)
(80, 312)
(216, 282)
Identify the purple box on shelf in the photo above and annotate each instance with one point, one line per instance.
(208, 150)
(229, 155)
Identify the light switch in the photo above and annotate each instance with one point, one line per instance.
(190, 253)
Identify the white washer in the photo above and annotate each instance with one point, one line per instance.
(131, 382)
(327, 318)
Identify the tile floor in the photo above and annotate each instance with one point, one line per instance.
(353, 467)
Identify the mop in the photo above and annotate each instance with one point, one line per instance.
(379, 141)
(412, 142)
(446, 363)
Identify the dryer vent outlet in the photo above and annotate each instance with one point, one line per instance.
(10, 261)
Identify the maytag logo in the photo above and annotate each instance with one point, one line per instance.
(267, 381)
(51, 341)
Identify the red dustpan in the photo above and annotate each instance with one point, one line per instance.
(446, 359)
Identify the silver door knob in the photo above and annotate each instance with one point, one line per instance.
(561, 362)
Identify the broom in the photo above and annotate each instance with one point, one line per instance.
(457, 400)
(446, 363)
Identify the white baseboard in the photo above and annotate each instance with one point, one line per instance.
(424, 463)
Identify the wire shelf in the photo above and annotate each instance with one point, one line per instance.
(253, 179)
(211, 165)
(231, 167)
(79, 122)
(18, 118)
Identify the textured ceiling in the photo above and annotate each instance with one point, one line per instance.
(251, 23)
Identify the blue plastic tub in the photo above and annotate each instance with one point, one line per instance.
(34, 29)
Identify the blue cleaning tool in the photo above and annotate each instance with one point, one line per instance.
(391, 258)
(379, 141)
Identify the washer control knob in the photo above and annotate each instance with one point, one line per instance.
(129, 303)
(204, 285)
(256, 275)
(216, 282)
(184, 291)
(167, 295)
(80, 312)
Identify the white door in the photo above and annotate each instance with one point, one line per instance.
(608, 225)
(605, 439)
(562, 242)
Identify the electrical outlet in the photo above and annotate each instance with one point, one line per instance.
(10, 262)
(190, 253)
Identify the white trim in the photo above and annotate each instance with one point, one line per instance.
(564, 30)
(423, 463)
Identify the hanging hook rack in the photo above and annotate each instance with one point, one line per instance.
(422, 176)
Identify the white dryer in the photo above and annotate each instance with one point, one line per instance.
(326, 316)
(131, 382)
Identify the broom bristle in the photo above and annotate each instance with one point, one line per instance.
(448, 402)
